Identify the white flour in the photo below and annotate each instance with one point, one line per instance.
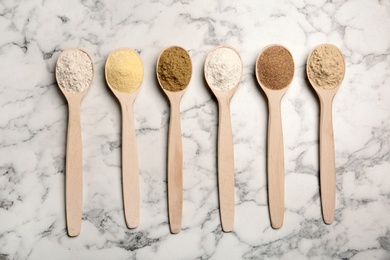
(223, 69)
(74, 71)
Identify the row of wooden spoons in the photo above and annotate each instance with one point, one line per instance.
(223, 70)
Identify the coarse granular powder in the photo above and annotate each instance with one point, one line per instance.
(174, 69)
(74, 70)
(223, 68)
(124, 70)
(326, 67)
(275, 67)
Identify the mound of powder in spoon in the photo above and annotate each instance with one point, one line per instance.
(326, 66)
(275, 67)
(174, 69)
(74, 70)
(124, 70)
(223, 69)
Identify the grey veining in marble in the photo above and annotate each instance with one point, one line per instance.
(33, 124)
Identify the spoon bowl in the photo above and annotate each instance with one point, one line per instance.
(282, 80)
(329, 50)
(69, 94)
(129, 60)
(224, 86)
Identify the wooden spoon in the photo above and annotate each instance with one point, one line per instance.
(126, 95)
(271, 64)
(175, 153)
(74, 155)
(327, 158)
(215, 62)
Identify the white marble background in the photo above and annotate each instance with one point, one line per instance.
(33, 123)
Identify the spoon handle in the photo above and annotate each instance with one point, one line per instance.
(175, 164)
(74, 171)
(327, 162)
(275, 164)
(225, 166)
(130, 177)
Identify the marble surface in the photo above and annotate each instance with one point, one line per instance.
(33, 125)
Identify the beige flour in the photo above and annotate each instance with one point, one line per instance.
(74, 70)
(326, 66)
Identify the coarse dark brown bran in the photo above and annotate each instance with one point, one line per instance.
(275, 67)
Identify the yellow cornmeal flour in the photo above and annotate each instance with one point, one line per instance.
(124, 71)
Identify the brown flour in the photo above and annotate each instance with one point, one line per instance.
(275, 67)
(174, 69)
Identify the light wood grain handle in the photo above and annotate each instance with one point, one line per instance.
(275, 165)
(327, 163)
(175, 164)
(225, 167)
(74, 171)
(130, 176)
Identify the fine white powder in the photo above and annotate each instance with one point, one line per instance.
(74, 71)
(223, 69)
